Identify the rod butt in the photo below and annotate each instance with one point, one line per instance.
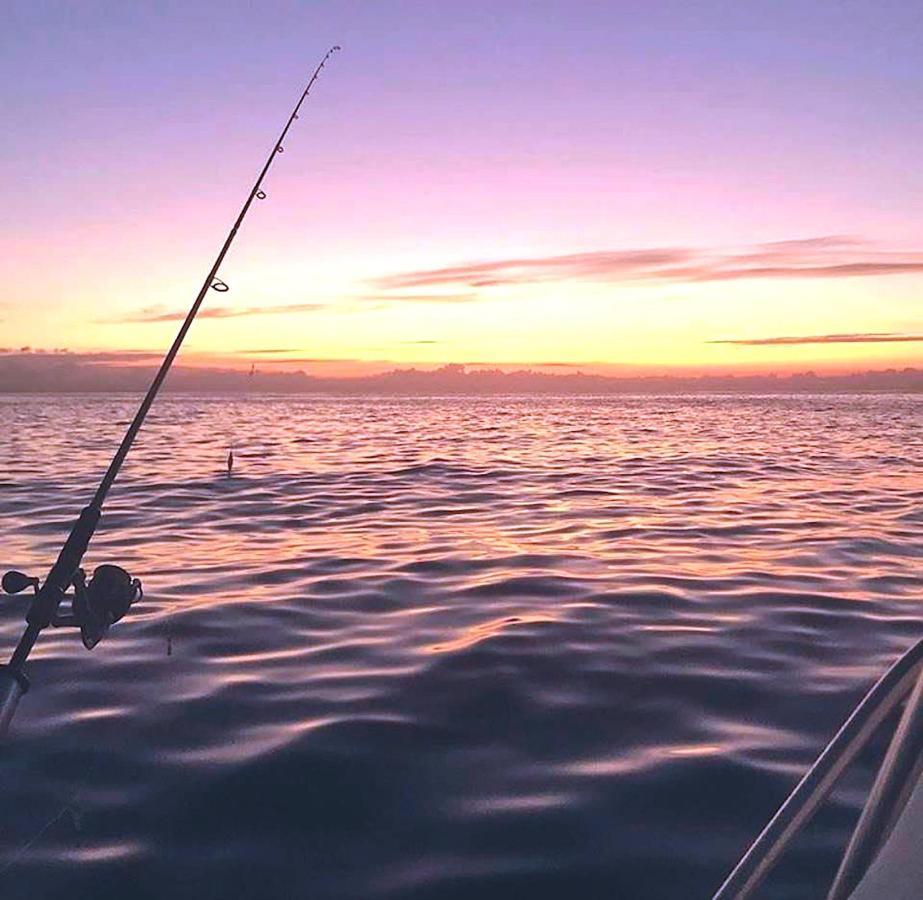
(13, 684)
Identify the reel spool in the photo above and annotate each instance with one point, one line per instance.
(95, 606)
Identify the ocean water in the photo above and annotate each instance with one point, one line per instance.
(452, 648)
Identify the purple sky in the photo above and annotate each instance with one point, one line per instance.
(460, 135)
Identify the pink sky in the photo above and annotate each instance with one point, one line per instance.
(601, 185)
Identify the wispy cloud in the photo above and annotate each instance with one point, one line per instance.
(159, 314)
(91, 357)
(605, 265)
(269, 350)
(418, 298)
(318, 361)
(149, 314)
(862, 338)
(830, 256)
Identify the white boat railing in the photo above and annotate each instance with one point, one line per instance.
(893, 785)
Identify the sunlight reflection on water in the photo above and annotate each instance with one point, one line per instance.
(452, 647)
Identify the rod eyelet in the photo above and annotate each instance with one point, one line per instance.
(219, 286)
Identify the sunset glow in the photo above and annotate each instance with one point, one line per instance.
(596, 189)
(479, 441)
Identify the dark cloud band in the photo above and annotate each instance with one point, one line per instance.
(869, 338)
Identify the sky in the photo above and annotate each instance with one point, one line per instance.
(604, 186)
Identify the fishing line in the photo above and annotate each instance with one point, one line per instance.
(106, 598)
(71, 806)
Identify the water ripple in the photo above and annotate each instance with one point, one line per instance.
(452, 648)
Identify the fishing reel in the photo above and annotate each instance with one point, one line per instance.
(94, 606)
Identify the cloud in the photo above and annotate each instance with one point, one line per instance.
(603, 265)
(882, 337)
(150, 314)
(830, 256)
(92, 357)
(253, 352)
(316, 361)
(158, 314)
(417, 298)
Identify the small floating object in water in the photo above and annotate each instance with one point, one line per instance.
(230, 462)
(106, 598)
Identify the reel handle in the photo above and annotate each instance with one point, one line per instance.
(15, 582)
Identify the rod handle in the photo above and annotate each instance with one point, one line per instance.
(13, 685)
(49, 597)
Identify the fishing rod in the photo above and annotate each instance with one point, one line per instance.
(106, 598)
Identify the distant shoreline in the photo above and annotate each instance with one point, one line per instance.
(41, 375)
(456, 382)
